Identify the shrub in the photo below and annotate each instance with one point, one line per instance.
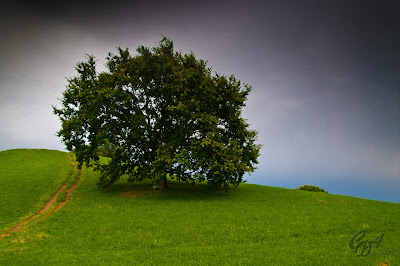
(312, 188)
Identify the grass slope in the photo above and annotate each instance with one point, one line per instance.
(256, 225)
(28, 178)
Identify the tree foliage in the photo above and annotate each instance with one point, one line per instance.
(158, 113)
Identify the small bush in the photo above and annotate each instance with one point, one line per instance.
(312, 188)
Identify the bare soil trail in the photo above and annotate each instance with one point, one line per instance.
(51, 202)
(68, 196)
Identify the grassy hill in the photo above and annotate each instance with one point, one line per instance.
(28, 178)
(252, 225)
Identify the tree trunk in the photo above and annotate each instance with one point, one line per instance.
(163, 183)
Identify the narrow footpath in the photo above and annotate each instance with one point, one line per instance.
(44, 212)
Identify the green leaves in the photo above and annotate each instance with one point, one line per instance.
(158, 113)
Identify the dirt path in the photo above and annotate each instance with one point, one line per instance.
(50, 203)
(68, 196)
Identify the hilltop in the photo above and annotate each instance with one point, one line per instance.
(134, 224)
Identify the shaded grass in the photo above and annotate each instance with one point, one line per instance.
(256, 225)
(28, 179)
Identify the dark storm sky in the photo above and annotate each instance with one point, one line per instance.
(325, 76)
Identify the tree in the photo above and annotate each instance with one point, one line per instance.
(158, 113)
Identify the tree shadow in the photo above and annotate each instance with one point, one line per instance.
(177, 191)
(185, 191)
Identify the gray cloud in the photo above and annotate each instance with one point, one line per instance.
(325, 75)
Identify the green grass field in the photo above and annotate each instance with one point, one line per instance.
(28, 178)
(252, 225)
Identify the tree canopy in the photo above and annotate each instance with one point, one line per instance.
(159, 113)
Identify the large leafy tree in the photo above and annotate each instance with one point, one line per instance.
(159, 113)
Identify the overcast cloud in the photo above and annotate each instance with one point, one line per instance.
(325, 77)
